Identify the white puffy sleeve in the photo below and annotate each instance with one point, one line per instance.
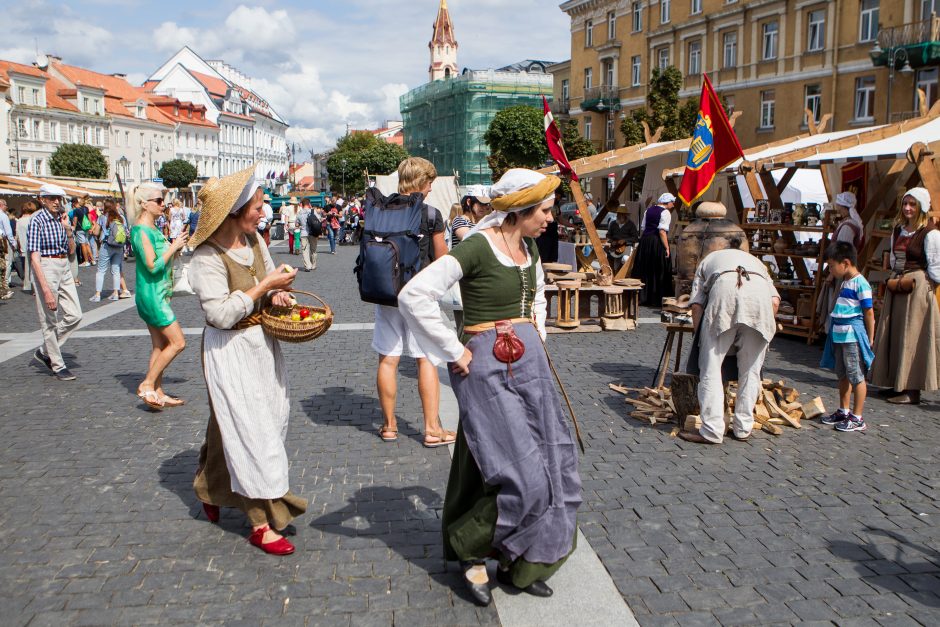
(932, 249)
(418, 304)
(540, 304)
(665, 219)
(209, 280)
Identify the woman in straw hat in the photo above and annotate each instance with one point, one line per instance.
(243, 462)
(514, 487)
(154, 287)
(907, 338)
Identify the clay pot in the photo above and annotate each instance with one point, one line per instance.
(710, 231)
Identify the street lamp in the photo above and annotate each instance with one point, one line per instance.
(343, 161)
(896, 54)
(150, 150)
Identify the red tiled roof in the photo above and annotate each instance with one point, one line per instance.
(443, 28)
(179, 111)
(9, 66)
(117, 91)
(216, 86)
(53, 100)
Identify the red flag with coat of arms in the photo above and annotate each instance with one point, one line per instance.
(555, 147)
(714, 146)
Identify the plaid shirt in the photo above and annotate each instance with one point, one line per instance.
(46, 235)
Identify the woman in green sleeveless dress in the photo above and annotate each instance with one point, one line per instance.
(154, 261)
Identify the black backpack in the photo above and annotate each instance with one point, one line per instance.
(314, 224)
(390, 250)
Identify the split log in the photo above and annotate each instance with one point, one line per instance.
(814, 408)
(692, 423)
(776, 412)
(684, 388)
(790, 395)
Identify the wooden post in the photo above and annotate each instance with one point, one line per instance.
(606, 274)
(614, 201)
(922, 157)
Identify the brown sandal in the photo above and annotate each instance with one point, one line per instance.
(442, 437)
(385, 430)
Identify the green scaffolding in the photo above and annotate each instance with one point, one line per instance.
(445, 121)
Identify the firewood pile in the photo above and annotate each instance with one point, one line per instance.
(778, 405)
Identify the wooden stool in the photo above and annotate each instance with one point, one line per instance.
(671, 331)
(568, 305)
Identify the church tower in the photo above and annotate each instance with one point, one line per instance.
(443, 46)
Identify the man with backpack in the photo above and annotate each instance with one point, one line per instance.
(402, 235)
(311, 227)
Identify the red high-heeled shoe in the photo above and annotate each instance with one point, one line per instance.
(212, 512)
(281, 546)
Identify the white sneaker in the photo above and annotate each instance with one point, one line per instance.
(96, 298)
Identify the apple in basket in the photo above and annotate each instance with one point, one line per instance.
(304, 313)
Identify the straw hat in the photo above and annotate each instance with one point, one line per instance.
(293, 201)
(623, 209)
(267, 198)
(219, 197)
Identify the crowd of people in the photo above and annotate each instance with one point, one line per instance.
(514, 488)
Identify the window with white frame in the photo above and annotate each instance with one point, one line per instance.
(36, 96)
(696, 7)
(771, 31)
(53, 131)
(926, 80)
(812, 101)
(609, 78)
(662, 57)
(86, 135)
(611, 25)
(21, 95)
(730, 50)
(588, 77)
(588, 127)
(868, 20)
(816, 30)
(929, 8)
(865, 98)
(37, 130)
(589, 33)
(637, 17)
(609, 136)
(665, 11)
(24, 166)
(565, 93)
(768, 105)
(636, 70)
(695, 58)
(98, 137)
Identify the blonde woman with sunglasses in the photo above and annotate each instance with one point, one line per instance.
(154, 255)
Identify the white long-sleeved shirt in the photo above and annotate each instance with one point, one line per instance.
(418, 304)
(209, 280)
(932, 250)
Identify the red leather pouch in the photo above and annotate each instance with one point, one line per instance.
(507, 348)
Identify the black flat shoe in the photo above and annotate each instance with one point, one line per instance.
(479, 591)
(536, 588)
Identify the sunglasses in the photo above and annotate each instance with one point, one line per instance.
(158, 200)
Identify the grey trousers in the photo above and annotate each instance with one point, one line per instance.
(58, 325)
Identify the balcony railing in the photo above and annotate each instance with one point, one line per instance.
(601, 99)
(560, 106)
(920, 42)
(900, 116)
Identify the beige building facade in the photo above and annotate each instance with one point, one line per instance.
(769, 59)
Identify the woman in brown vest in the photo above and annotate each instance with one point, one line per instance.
(907, 340)
(243, 462)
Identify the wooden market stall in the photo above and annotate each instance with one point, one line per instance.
(877, 163)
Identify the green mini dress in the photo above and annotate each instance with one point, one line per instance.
(154, 287)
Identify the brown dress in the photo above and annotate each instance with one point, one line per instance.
(213, 484)
(907, 338)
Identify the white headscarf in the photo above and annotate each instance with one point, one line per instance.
(922, 196)
(513, 180)
(848, 200)
(250, 188)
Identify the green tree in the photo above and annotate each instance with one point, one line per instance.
(576, 145)
(177, 173)
(358, 152)
(78, 160)
(516, 139)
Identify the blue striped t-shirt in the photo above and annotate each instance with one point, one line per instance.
(854, 297)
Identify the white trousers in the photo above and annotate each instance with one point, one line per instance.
(58, 325)
(751, 349)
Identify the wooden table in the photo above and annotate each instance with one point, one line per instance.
(586, 298)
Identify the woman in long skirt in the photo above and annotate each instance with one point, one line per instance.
(653, 264)
(514, 487)
(243, 462)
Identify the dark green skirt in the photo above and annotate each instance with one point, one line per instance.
(469, 520)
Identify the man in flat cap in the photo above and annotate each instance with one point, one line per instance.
(50, 240)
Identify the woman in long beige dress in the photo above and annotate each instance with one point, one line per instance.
(243, 462)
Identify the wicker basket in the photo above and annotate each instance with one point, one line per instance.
(287, 330)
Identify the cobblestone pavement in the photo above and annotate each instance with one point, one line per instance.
(101, 525)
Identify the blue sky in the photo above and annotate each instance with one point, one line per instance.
(321, 64)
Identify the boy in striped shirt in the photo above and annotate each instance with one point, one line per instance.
(851, 334)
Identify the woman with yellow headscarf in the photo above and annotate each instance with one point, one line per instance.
(514, 488)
